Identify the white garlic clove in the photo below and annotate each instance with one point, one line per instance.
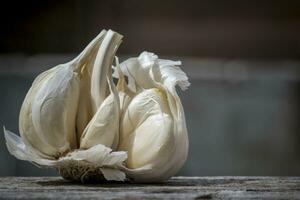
(86, 61)
(54, 109)
(104, 126)
(102, 69)
(84, 108)
(153, 128)
(48, 115)
(146, 129)
(26, 128)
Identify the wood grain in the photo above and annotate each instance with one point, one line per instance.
(176, 188)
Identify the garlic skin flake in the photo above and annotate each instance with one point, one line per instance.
(76, 120)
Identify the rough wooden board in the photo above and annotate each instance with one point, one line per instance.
(176, 188)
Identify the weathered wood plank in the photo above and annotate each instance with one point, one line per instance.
(177, 188)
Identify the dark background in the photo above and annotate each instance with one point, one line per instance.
(242, 57)
(206, 28)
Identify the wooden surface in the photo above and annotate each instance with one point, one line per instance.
(176, 188)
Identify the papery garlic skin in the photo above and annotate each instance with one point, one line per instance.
(153, 128)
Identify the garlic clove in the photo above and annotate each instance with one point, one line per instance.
(84, 108)
(143, 105)
(147, 130)
(54, 109)
(149, 143)
(104, 126)
(103, 63)
(85, 61)
(48, 115)
(26, 128)
(158, 126)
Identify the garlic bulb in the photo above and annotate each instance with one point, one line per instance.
(76, 120)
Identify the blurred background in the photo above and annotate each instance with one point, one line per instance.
(242, 58)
